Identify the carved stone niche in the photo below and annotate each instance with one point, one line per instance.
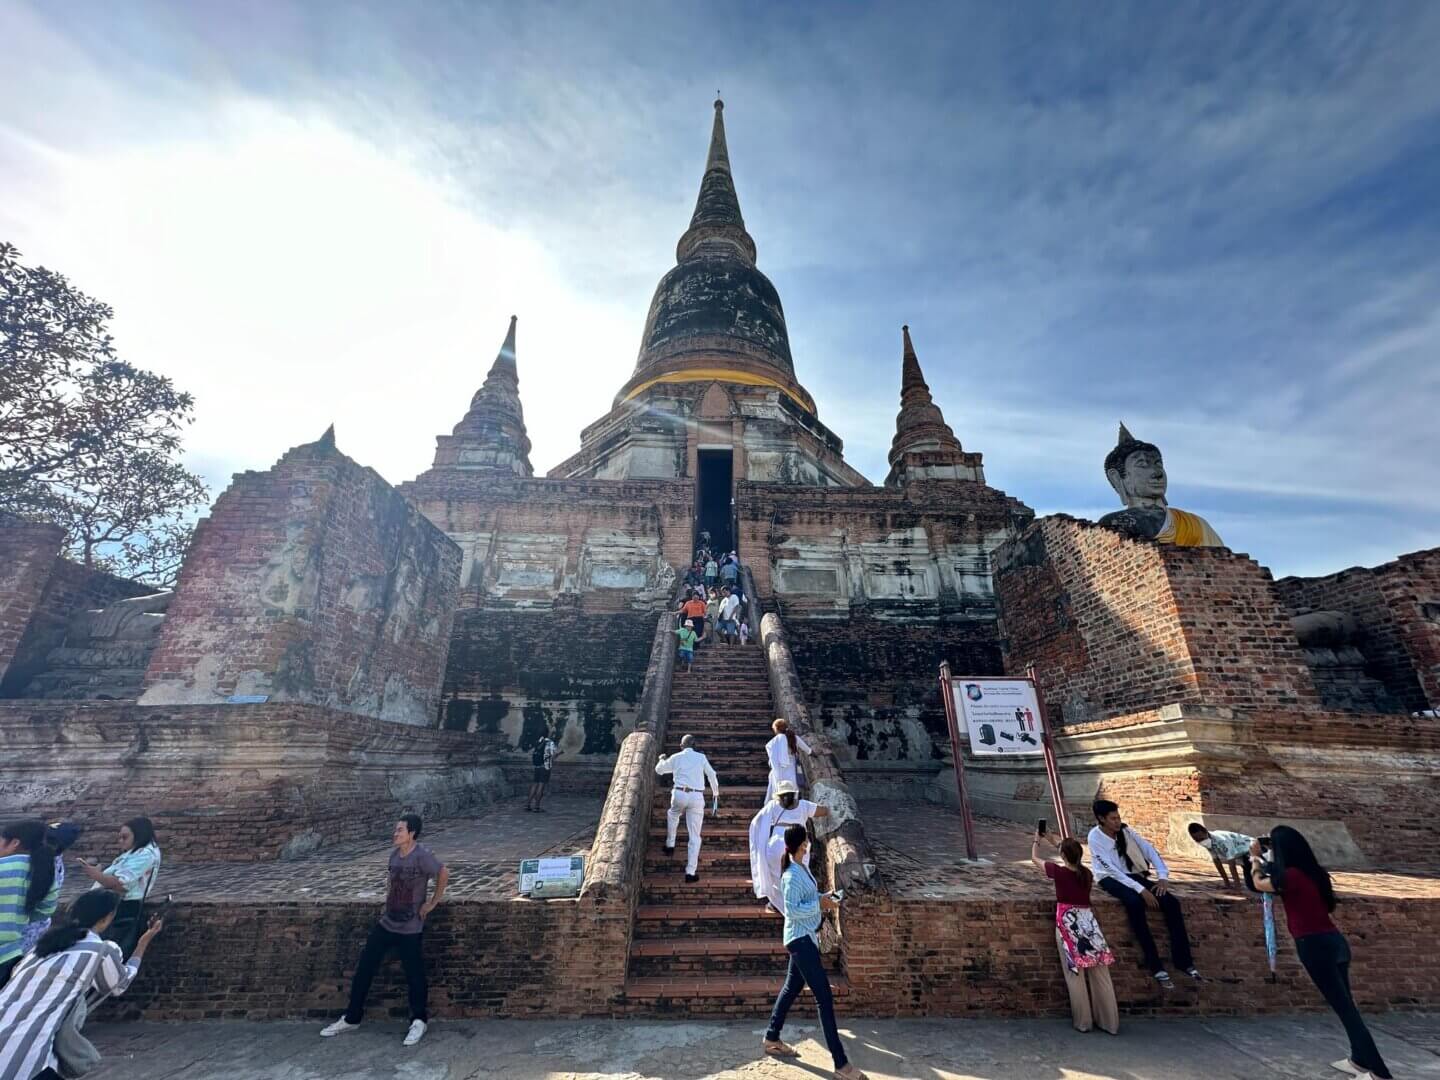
(105, 652)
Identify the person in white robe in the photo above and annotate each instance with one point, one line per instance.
(767, 838)
(783, 751)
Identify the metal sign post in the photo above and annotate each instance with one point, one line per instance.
(1052, 768)
(947, 694)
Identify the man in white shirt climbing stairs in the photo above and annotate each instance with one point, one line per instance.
(691, 771)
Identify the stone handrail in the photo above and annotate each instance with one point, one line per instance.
(619, 849)
(847, 852)
(752, 601)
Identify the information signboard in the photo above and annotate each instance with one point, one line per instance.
(1002, 716)
(560, 876)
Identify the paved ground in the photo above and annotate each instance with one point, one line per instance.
(1275, 1048)
(930, 863)
(483, 850)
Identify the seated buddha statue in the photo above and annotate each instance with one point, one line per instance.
(1136, 471)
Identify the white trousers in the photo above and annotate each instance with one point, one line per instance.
(692, 805)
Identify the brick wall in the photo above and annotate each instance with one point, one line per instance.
(1397, 606)
(997, 957)
(871, 684)
(978, 957)
(599, 546)
(509, 673)
(27, 552)
(234, 782)
(314, 581)
(71, 590)
(1116, 625)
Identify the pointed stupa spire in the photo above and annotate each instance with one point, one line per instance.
(327, 441)
(920, 428)
(717, 214)
(492, 435)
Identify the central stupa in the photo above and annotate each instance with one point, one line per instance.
(714, 394)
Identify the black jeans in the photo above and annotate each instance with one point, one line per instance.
(380, 942)
(1326, 958)
(1135, 909)
(806, 969)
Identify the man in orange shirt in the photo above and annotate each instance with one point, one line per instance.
(694, 609)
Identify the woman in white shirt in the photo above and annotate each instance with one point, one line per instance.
(767, 838)
(132, 875)
(69, 960)
(783, 754)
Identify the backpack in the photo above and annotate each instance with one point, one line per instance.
(537, 756)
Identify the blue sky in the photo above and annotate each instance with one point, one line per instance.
(1219, 222)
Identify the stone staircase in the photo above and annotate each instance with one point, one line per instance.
(712, 948)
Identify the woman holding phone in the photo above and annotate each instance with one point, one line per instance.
(1085, 956)
(131, 875)
(804, 906)
(1304, 887)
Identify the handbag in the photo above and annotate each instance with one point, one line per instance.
(75, 1053)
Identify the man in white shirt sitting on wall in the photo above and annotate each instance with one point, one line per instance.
(691, 771)
(1122, 858)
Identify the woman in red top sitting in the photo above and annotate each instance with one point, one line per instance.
(1084, 956)
(1296, 876)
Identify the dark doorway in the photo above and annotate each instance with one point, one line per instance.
(712, 499)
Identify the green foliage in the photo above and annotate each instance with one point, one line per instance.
(87, 441)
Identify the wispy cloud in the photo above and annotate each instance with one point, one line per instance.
(1215, 222)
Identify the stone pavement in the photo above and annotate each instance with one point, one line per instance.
(928, 862)
(483, 849)
(1273, 1048)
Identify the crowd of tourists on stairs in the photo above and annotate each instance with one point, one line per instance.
(50, 962)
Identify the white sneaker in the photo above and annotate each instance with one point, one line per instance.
(416, 1032)
(339, 1027)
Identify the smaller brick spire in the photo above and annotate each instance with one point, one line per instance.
(924, 445)
(492, 435)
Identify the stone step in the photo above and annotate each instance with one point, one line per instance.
(671, 922)
(714, 957)
(670, 887)
(712, 861)
(750, 996)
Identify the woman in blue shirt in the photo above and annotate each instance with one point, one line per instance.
(804, 905)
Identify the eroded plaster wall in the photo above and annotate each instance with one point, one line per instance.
(314, 581)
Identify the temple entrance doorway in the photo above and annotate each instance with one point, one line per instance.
(714, 477)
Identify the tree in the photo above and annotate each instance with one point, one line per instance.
(87, 441)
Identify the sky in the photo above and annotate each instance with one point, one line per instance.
(1218, 222)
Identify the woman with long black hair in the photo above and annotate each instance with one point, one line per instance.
(132, 875)
(69, 960)
(28, 889)
(804, 905)
(1305, 889)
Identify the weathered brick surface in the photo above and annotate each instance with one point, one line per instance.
(314, 581)
(872, 684)
(1115, 625)
(233, 782)
(1397, 606)
(27, 553)
(598, 546)
(974, 957)
(39, 595)
(997, 957)
(510, 673)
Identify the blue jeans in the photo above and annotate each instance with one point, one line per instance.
(806, 969)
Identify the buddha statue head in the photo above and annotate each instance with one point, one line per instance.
(1136, 471)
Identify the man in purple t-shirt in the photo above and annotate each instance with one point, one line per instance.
(400, 927)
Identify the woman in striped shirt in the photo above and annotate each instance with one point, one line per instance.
(28, 889)
(804, 905)
(67, 962)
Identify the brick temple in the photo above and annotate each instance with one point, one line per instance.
(339, 649)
